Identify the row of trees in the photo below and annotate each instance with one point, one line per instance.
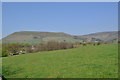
(49, 46)
(20, 48)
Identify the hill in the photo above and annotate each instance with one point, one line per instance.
(83, 62)
(102, 36)
(37, 37)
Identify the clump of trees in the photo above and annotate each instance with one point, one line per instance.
(13, 48)
(49, 46)
(20, 48)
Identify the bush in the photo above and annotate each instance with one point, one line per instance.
(49, 46)
(5, 52)
(105, 43)
(29, 50)
(84, 44)
(13, 48)
(52, 45)
(98, 43)
(90, 43)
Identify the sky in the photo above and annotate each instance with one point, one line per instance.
(76, 18)
(60, 0)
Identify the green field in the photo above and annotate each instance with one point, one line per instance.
(83, 62)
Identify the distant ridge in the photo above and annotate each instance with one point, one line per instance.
(103, 36)
(38, 37)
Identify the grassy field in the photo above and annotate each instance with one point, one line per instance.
(83, 62)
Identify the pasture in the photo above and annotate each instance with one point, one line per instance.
(82, 62)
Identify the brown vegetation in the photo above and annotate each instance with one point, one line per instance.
(19, 48)
(50, 46)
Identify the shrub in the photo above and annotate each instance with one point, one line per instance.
(98, 43)
(5, 52)
(84, 44)
(105, 43)
(13, 47)
(118, 41)
(29, 50)
(52, 45)
(90, 43)
(63, 45)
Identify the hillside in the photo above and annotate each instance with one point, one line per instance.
(37, 37)
(102, 36)
(83, 62)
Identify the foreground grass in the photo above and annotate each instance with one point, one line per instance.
(83, 62)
